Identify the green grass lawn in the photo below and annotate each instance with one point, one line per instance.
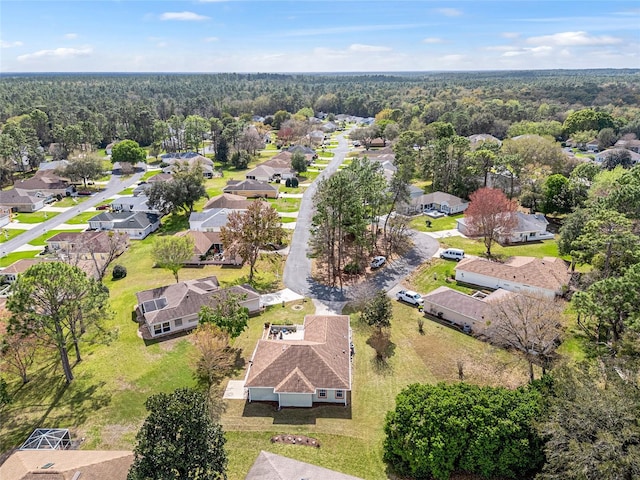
(546, 248)
(437, 224)
(322, 154)
(70, 201)
(34, 217)
(127, 191)
(285, 205)
(14, 257)
(9, 233)
(288, 219)
(41, 240)
(81, 218)
(433, 275)
(308, 177)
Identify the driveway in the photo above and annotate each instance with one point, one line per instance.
(297, 270)
(116, 184)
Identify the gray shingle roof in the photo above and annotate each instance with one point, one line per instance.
(269, 466)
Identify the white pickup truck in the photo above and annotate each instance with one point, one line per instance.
(410, 297)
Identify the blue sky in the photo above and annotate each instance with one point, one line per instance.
(316, 36)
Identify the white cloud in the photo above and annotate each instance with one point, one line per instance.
(183, 16)
(449, 12)
(71, 36)
(452, 58)
(568, 39)
(58, 53)
(510, 35)
(210, 39)
(359, 47)
(540, 51)
(433, 40)
(4, 44)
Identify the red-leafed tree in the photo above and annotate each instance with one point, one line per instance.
(490, 215)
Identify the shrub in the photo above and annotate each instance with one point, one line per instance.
(294, 182)
(352, 268)
(287, 183)
(119, 272)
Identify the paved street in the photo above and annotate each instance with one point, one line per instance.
(297, 271)
(115, 185)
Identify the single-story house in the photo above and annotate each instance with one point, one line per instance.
(174, 308)
(630, 142)
(479, 138)
(211, 220)
(530, 228)
(53, 165)
(205, 244)
(191, 159)
(309, 153)
(300, 365)
(378, 143)
(459, 308)
(160, 177)
(267, 173)
(19, 201)
(133, 204)
(228, 201)
(602, 156)
(10, 274)
(548, 276)
(137, 225)
(592, 146)
(329, 127)
(269, 466)
(91, 241)
(48, 464)
(45, 184)
(251, 189)
(439, 201)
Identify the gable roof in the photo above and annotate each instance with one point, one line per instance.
(320, 360)
(457, 301)
(229, 201)
(269, 466)
(99, 240)
(549, 273)
(191, 157)
(440, 198)
(635, 157)
(202, 241)
(249, 185)
(91, 464)
(483, 137)
(528, 222)
(15, 197)
(43, 180)
(20, 266)
(160, 177)
(182, 299)
(127, 220)
(139, 202)
(214, 217)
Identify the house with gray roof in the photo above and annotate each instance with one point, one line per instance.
(605, 154)
(459, 308)
(45, 184)
(299, 365)
(211, 220)
(268, 173)
(172, 160)
(138, 225)
(530, 228)
(438, 201)
(251, 189)
(269, 466)
(175, 307)
(130, 203)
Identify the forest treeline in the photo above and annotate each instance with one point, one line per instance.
(126, 105)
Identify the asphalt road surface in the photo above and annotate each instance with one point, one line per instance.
(116, 184)
(297, 270)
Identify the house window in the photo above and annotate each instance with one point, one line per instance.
(339, 394)
(178, 322)
(157, 329)
(322, 394)
(166, 327)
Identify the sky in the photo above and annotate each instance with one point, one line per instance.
(316, 36)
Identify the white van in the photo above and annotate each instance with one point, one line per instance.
(452, 254)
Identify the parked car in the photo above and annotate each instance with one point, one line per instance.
(378, 261)
(411, 297)
(452, 254)
(84, 192)
(103, 207)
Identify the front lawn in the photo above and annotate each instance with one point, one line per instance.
(82, 218)
(33, 217)
(41, 240)
(448, 222)
(7, 260)
(70, 201)
(546, 248)
(285, 205)
(9, 233)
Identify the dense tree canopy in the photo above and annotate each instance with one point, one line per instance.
(438, 429)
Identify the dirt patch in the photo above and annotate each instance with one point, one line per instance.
(296, 440)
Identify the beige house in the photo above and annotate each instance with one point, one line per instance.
(228, 201)
(548, 276)
(251, 189)
(10, 274)
(174, 308)
(299, 365)
(19, 201)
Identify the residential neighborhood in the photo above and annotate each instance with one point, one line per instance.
(299, 281)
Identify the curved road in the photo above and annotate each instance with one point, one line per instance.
(116, 184)
(297, 270)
